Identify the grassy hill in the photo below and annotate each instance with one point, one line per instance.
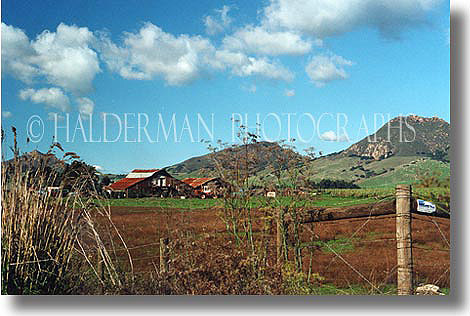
(378, 174)
(265, 154)
(406, 136)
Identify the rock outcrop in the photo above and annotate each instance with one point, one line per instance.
(376, 150)
(405, 136)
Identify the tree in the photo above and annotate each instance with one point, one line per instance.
(81, 177)
(105, 181)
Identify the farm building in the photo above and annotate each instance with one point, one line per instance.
(206, 187)
(148, 182)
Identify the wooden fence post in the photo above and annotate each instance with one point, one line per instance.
(164, 255)
(403, 235)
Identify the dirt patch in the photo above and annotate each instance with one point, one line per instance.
(366, 248)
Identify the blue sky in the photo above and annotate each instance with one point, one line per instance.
(160, 58)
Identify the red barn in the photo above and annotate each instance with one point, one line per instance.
(147, 182)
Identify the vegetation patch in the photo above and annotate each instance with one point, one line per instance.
(339, 245)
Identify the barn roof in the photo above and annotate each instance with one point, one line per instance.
(142, 173)
(195, 182)
(145, 170)
(134, 177)
(125, 183)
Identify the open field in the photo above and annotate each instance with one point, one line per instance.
(342, 257)
(328, 197)
(258, 202)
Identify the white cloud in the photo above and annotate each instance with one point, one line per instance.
(242, 65)
(98, 168)
(64, 58)
(52, 97)
(6, 114)
(260, 41)
(262, 67)
(331, 136)
(219, 22)
(85, 106)
(151, 53)
(321, 18)
(289, 93)
(67, 58)
(17, 54)
(325, 68)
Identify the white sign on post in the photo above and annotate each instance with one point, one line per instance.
(271, 194)
(426, 207)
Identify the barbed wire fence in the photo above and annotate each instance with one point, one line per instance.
(403, 212)
(342, 235)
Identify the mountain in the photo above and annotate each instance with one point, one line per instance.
(385, 159)
(389, 158)
(406, 136)
(203, 166)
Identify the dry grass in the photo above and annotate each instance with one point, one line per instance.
(50, 243)
(201, 243)
(37, 237)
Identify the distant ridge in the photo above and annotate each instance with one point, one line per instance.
(203, 166)
(431, 137)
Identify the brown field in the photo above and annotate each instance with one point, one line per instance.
(365, 248)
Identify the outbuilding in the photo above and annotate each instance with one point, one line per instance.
(206, 187)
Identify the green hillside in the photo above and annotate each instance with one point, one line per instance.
(370, 173)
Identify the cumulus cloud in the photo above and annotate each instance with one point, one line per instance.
(263, 67)
(68, 57)
(261, 41)
(6, 114)
(325, 68)
(289, 93)
(85, 106)
(331, 136)
(151, 53)
(64, 58)
(242, 65)
(17, 54)
(219, 22)
(322, 18)
(51, 97)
